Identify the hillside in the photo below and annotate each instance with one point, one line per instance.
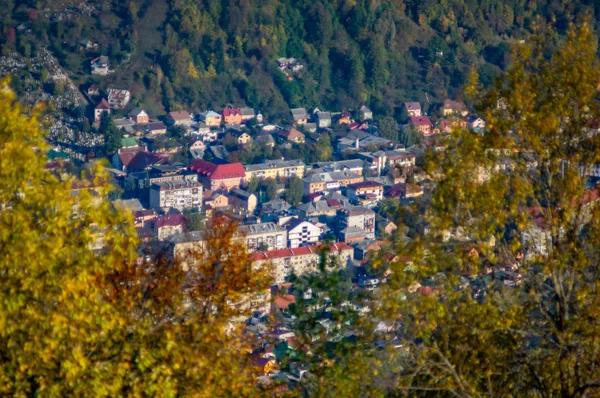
(208, 53)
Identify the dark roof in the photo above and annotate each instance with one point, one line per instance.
(170, 220)
(103, 104)
(139, 160)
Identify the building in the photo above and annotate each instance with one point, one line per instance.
(400, 159)
(135, 159)
(247, 114)
(476, 123)
(302, 233)
(299, 116)
(187, 248)
(156, 128)
(218, 176)
(100, 66)
(291, 135)
(241, 199)
(365, 190)
(169, 225)
(117, 98)
(422, 124)
(365, 113)
(93, 90)
(403, 191)
(323, 119)
(357, 223)
(243, 138)
(321, 182)
(452, 107)
(139, 116)
(232, 116)
(266, 235)
(211, 118)
(302, 260)
(413, 109)
(353, 165)
(274, 168)
(181, 194)
(179, 118)
(101, 108)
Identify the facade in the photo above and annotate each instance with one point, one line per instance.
(169, 225)
(267, 234)
(211, 118)
(301, 260)
(365, 189)
(274, 168)
(422, 124)
(117, 98)
(139, 116)
(244, 139)
(232, 116)
(329, 181)
(102, 107)
(413, 109)
(218, 176)
(299, 116)
(181, 194)
(243, 199)
(302, 233)
(179, 118)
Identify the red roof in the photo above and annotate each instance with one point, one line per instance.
(284, 302)
(420, 121)
(232, 112)
(138, 159)
(365, 184)
(218, 171)
(170, 220)
(298, 251)
(103, 104)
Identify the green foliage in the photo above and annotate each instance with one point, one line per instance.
(294, 190)
(112, 135)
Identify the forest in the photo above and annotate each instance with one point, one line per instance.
(202, 54)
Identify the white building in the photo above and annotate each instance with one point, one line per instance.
(267, 234)
(302, 233)
(118, 98)
(181, 194)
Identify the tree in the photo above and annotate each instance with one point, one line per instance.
(294, 190)
(75, 319)
(112, 135)
(271, 189)
(531, 332)
(388, 128)
(253, 184)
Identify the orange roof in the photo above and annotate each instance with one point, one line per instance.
(283, 302)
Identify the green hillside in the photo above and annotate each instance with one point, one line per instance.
(207, 53)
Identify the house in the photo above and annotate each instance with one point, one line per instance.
(447, 125)
(353, 165)
(344, 118)
(299, 116)
(422, 124)
(269, 235)
(323, 119)
(403, 190)
(118, 98)
(100, 66)
(247, 114)
(180, 195)
(244, 138)
(265, 139)
(214, 200)
(310, 127)
(302, 233)
(452, 107)
(365, 113)
(218, 176)
(292, 135)
(275, 168)
(357, 223)
(413, 109)
(211, 118)
(476, 123)
(93, 90)
(321, 182)
(169, 225)
(245, 200)
(101, 108)
(365, 189)
(302, 260)
(386, 226)
(139, 116)
(232, 116)
(135, 159)
(157, 128)
(179, 118)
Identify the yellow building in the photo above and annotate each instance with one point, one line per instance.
(274, 168)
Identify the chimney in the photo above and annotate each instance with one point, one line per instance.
(357, 144)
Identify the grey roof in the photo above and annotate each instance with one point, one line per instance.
(314, 207)
(340, 165)
(275, 205)
(129, 204)
(209, 114)
(257, 229)
(299, 113)
(219, 151)
(186, 237)
(247, 112)
(271, 164)
(323, 115)
(240, 193)
(176, 184)
(364, 109)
